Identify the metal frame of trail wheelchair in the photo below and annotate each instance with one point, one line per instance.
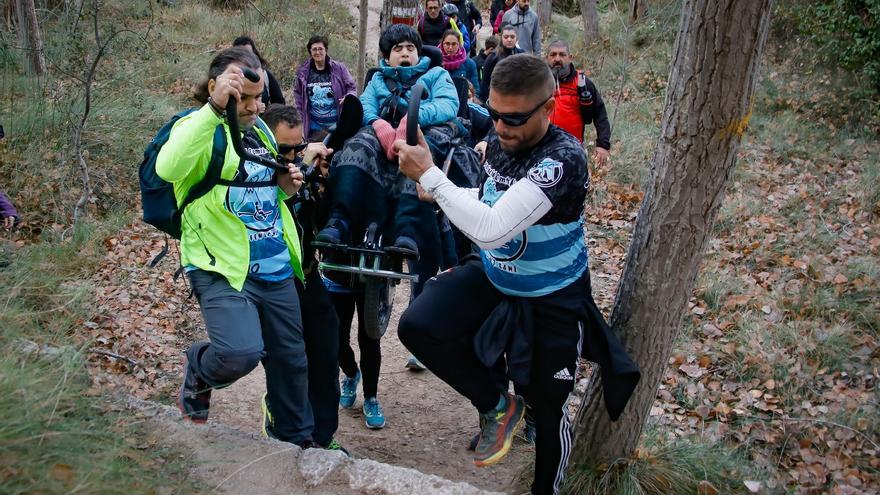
(377, 269)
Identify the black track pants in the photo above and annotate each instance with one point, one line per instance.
(322, 349)
(439, 326)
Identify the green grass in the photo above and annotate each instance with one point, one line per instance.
(57, 433)
(663, 467)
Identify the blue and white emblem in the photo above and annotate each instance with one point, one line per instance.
(546, 174)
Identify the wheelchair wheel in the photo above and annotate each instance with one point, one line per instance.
(378, 303)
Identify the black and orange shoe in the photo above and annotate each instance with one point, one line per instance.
(194, 396)
(498, 428)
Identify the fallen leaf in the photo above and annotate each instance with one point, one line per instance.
(706, 488)
(691, 370)
(753, 486)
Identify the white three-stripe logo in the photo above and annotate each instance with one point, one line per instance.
(563, 374)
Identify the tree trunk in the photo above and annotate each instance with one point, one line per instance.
(29, 36)
(544, 11)
(637, 9)
(399, 12)
(714, 72)
(362, 42)
(590, 16)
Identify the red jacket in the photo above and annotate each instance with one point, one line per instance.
(572, 115)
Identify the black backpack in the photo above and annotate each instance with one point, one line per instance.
(157, 195)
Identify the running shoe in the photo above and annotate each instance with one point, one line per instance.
(334, 445)
(194, 396)
(498, 429)
(268, 422)
(414, 364)
(373, 416)
(349, 393)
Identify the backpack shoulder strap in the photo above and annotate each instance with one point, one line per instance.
(264, 129)
(212, 174)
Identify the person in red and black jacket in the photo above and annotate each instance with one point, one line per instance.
(578, 102)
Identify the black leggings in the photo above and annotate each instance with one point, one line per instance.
(371, 354)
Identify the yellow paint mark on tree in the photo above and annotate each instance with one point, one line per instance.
(736, 128)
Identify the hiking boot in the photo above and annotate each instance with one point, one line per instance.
(405, 246)
(268, 422)
(335, 232)
(413, 364)
(334, 445)
(349, 393)
(194, 396)
(373, 416)
(498, 430)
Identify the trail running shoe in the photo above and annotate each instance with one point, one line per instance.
(268, 421)
(497, 433)
(405, 246)
(194, 396)
(334, 445)
(349, 393)
(373, 416)
(414, 364)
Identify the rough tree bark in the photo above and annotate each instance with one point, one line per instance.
(29, 36)
(637, 9)
(544, 11)
(715, 68)
(362, 42)
(399, 12)
(590, 16)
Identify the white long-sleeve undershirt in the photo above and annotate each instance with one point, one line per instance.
(490, 227)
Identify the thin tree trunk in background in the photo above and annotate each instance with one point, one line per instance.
(544, 11)
(362, 42)
(29, 36)
(590, 16)
(637, 9)
(715, 68)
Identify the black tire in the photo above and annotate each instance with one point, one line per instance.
(378, 303)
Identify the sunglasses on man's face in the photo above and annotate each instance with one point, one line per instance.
(284, 149)
(514, 119)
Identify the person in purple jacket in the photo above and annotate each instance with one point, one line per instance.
(321, 84)
(7, 212)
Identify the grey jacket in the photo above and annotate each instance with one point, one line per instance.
(528, 32)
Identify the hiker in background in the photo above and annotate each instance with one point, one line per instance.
(8, 214)
(470, 19)
(489, 47)
(451, 11)
(498, 20)
(455, 59)
(321, 85)
(241, 251)
(578, 102)
(528, 30)
(318, 314)
(433, 23)
(508, 47)
(272, 90)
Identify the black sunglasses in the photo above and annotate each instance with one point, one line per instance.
(515, 119)
(284, 149)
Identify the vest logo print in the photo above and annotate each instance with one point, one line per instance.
(546, 174)
(563, 374)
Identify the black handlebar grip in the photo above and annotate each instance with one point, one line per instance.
(250, 75)
(412, 114)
